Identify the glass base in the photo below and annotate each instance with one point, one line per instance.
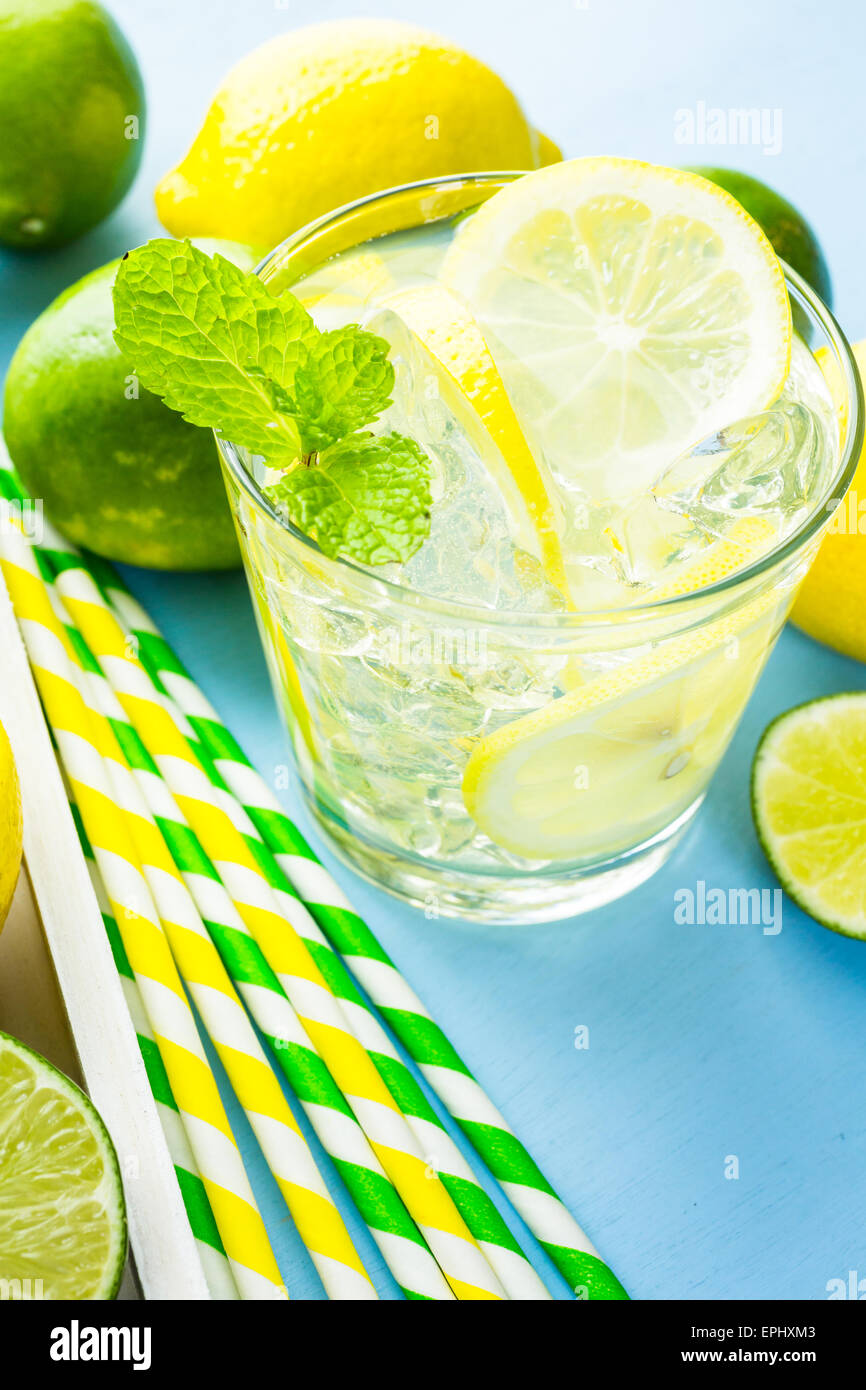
(503, 900)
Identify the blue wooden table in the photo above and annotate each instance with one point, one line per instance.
(711, 1137)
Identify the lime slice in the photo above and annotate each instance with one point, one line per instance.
(445, 325)
(632, 310)
(617, 759)
(62, 1213)
(809, 805)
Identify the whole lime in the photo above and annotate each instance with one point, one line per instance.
(72, 119)
(116, 469)
(787, 229)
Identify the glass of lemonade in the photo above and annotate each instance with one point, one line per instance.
(498, 729)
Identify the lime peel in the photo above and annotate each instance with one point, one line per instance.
(62, 1211)
(809, 807)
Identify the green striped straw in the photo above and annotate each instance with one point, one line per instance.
(451, 1080)
(477, 1208)
(77, 587)
(345, 932)
(225, 926)
(215, 1265)
(402, 1245)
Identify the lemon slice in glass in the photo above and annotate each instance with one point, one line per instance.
(62, 1213)
(631, 310)
(620, 757)
(809, 805)
(444, 323)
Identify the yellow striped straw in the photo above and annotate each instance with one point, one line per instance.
(285, 1149)
(221, 825)
(82, 749)
(215, 1266)
(342, 1137)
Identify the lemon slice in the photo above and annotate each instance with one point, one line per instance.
(631, 309)
(809, 805)
(747, 539)
(617, 759)
(62, 1214)
(445, 325)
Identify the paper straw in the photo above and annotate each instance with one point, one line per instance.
(487, 1130)
(214, 818)
(391, 1226)
(415, 1269)
(286, 1151)
(215, 1265)
(389, 1222)
(240, 1224)
(483, 1218)
(447, 1074)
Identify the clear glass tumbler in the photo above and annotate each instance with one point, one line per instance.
(387, 694)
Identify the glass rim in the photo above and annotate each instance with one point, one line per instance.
(403, 594)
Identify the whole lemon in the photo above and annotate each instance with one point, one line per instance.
(71, 117)
(326, 114)
(10, 826)
(831, 605)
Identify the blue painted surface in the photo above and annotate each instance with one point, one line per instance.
(705, 1042)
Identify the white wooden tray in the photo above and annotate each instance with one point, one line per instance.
(98, 1047)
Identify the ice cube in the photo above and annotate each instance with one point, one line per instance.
(770, 466)
(761, 465)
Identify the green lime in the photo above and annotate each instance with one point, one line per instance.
(72, 117)
(62, 1213)
(809, 806)
(117, 470)
(787, 230)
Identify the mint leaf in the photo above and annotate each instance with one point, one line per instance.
(219, 348)
(368, 498)
(192, 325)
(343, 382)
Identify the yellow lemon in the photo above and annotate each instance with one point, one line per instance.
(326, 114)
(10, 826)
(548, 151)
(831, 605)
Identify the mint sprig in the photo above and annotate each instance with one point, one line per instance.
(225, 353)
